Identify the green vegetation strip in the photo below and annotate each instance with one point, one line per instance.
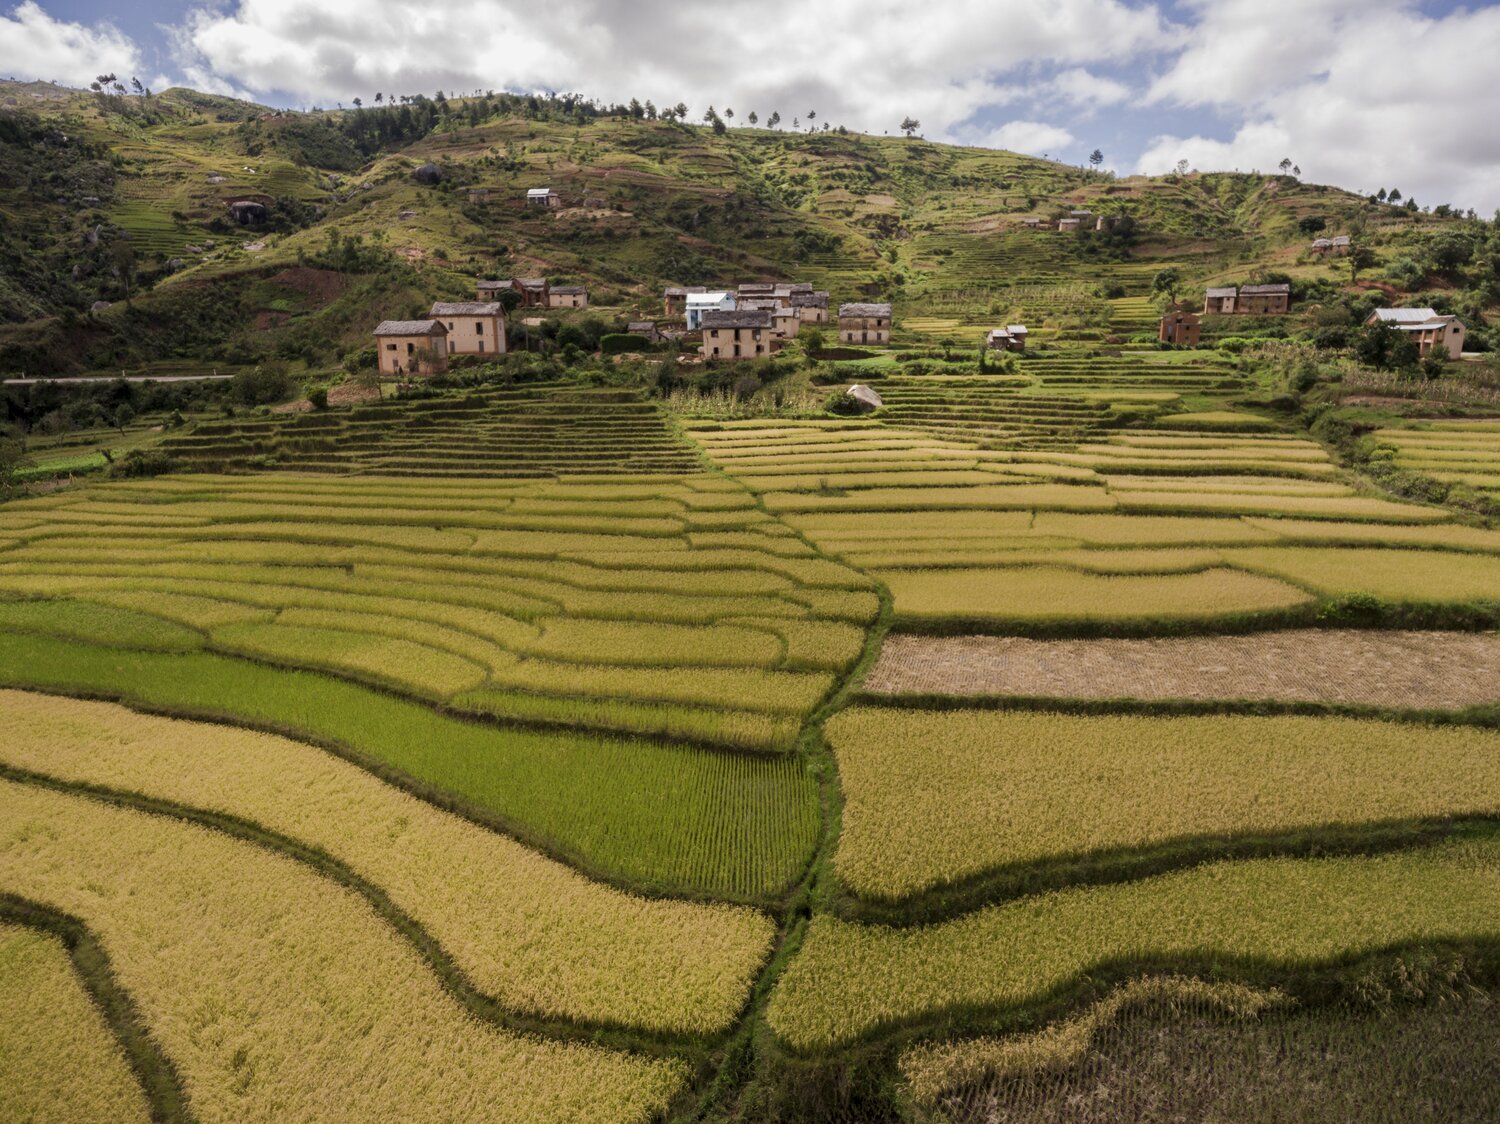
(1262, 918)
(661, 819)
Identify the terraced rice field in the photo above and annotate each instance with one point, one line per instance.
(1460, 452)
(567, 764)
(541, 432)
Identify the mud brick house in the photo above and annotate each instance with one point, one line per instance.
(567, 296)
(736, 334)
(411, 347)
(812, 307)
(1219, 302)
(1181, 327)
(864, 323)
(535, 292)
(1264, 300)
(674, 298)
(474, 327)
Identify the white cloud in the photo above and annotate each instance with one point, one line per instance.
(33, 45)
(1033, 137)
(942, 70)
(1393, 97)
(1082, 88)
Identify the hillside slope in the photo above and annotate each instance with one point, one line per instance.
(109, 199)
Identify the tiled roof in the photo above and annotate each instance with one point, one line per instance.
(569, 290)
(489, 286)
(410, 328)
(1213, 294)
(467, 308)
(809, 300)
(737, 318)
(861, 309)
(1283, 287)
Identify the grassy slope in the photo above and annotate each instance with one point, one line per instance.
(932, 226)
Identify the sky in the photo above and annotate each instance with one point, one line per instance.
(1364, 94)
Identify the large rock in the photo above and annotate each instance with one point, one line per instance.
(868, 400)
(429, 174)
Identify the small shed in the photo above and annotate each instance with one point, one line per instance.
(867, 399)
(542, 197)
(1012, 337)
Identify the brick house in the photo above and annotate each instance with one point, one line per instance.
(1429, 330)
(812, 307)
(646, 329)
(674, 299)
(474, 327)
(543, 197)
(1219, 302)
(485, 291)
(1264, 300)
(864, 323)
(736, 334)
(1180, 327)
(567, 296)
(411, 347)
(535, 292)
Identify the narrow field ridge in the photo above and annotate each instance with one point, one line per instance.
(1418, 670)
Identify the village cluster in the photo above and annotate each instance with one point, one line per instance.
(754, 319)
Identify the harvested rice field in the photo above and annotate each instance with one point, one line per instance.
(1410, 670)
(568, 759)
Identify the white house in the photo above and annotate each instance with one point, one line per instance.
(699, 303)
(1429, 330)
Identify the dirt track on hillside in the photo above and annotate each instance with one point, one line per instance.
(1416, 670)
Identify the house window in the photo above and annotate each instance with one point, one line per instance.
(450, 325)
(390, 347)
(479, 326)
(411, 349)
(481, 347)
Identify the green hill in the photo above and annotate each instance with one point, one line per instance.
(105, 198)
